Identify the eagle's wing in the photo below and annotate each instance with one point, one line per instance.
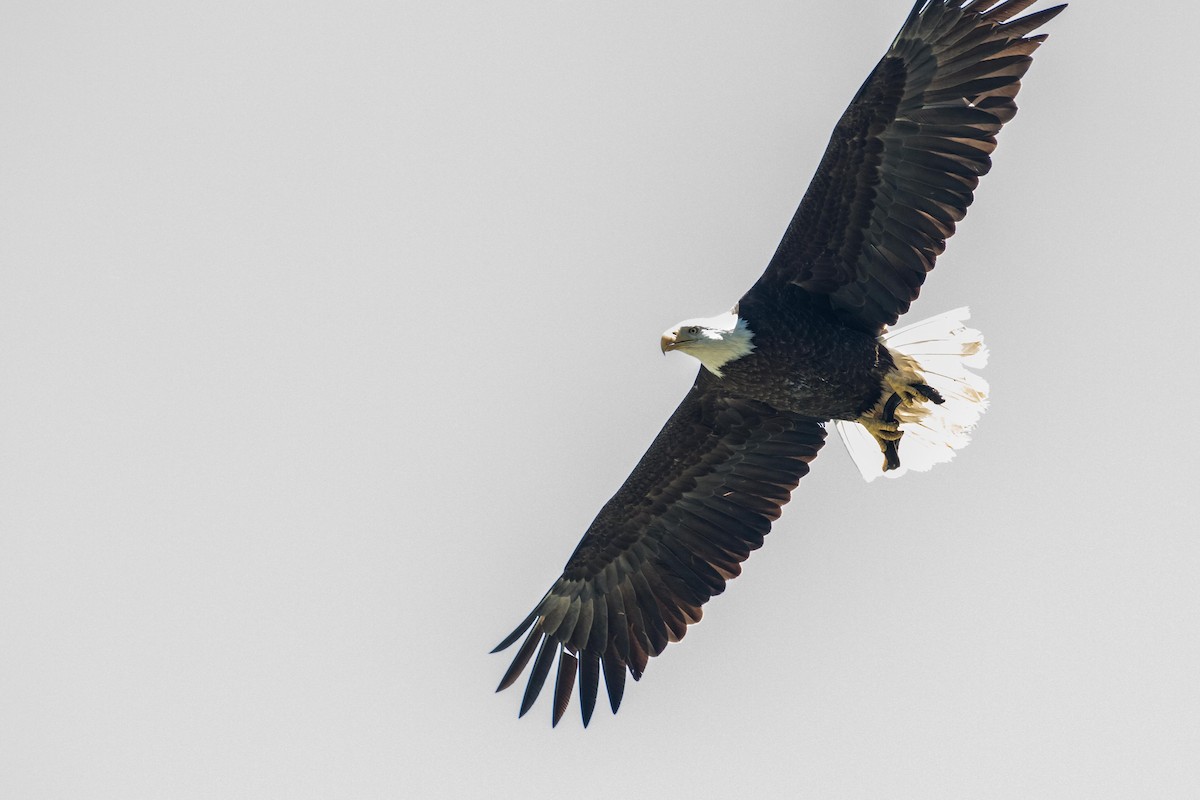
(702, 497)
(906, 156)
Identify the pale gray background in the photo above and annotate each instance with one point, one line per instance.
(327, 328)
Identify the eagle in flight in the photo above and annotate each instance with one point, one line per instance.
(807, 344)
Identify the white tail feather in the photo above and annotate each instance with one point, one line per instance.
(946, 351)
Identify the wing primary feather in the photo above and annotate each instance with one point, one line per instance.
(1024, 25)
(614, 679)
(541, 668)
(962, 38)
(967, 53)
(589, 683)
(1007, 10)
(522, 658)
(978, 6)
(563, 685)
(520, 629)
(1002, 64)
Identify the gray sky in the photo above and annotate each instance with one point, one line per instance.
(326, 329)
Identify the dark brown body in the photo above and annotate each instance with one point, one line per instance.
(806, 360)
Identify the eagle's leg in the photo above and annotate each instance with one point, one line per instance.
(886, 431)
(891, 454)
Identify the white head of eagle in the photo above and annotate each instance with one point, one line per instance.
(714, 341)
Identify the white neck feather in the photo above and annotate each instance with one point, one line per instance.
(726, 338)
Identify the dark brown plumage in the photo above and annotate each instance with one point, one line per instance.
(898, 174)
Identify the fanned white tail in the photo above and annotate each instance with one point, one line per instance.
(944, 350)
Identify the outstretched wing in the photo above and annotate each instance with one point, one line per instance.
(702, 497)
(906, 156)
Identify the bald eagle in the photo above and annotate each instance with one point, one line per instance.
(807, 344)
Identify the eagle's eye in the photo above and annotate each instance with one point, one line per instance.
(693, 330)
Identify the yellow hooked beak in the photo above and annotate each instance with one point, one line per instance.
(668, 341)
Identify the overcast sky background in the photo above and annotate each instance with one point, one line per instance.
(325, 330)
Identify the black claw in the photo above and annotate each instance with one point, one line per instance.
(929, 393)
(891, 457)
(889, 408)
